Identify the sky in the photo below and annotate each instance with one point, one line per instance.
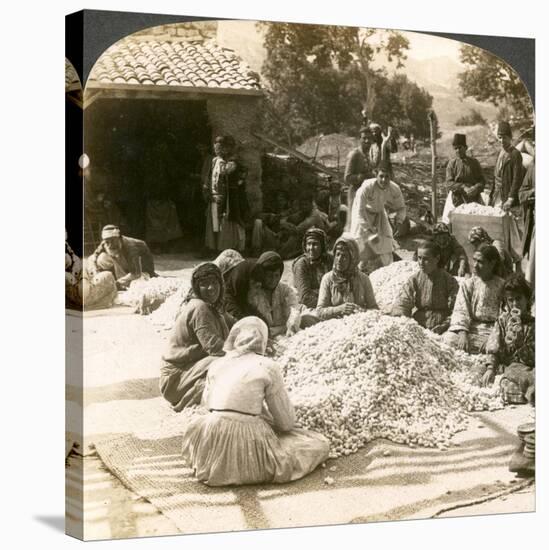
(243, 37)
(424, 46)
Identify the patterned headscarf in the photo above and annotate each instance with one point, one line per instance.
(227, 260)
(250, 334)
(440, 228)
(201, 271)
(479, 235)
(345, 277)
(317, 234)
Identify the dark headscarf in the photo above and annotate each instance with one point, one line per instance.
(268, 261)
(345, 278)
(490, 252)
(199, 272)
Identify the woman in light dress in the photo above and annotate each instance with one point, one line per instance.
(247, 433)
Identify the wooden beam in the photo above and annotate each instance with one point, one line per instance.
(300, 156)
(94, 85)
(90, 99)
(72, 87)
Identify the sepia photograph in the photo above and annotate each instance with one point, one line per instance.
(300, 277)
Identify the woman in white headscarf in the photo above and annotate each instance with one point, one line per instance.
(248, 435)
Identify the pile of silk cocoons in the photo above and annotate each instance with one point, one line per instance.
(388, 281)
(475, 209)
(368, 376)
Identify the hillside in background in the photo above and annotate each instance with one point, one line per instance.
(438, 75)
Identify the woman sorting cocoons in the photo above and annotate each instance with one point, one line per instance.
(511, 345)
(197, 338)
(477, 303)
(345, 289)
(429, 294)
(270, 299)
(309, 268)
(246, 433)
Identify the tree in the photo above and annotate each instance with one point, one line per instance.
(403, 104)
(489, 78)
(320, 77)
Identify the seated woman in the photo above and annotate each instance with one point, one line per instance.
(196, 339)
(511, 345)
(429, 294)
(234, 443)
(270, 299)
(479, 235)
(453, 257)
(477, 303)
(345, 289)
(309, 268)
(237, 284)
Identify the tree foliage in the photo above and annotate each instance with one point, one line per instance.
(473, 118)
(489, 78)
(320, 78)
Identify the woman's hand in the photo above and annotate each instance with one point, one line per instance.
(348, 309)
(440, 329)
(463, 341)
(277, 331)
(488, 378)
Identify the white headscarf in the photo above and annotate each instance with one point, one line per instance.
(250, 334)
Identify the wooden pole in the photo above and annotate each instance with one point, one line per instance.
(434, 195)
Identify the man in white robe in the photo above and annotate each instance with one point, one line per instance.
(369, 220)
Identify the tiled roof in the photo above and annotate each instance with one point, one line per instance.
(72, 82)
(173, 63)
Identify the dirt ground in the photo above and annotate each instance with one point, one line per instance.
(122, 358)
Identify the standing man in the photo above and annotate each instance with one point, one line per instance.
(508, 178)
(509, 173)
(369, 220)
(527, 198)
(225, 194)
(358, 167)
(381, 147)
(464, 178)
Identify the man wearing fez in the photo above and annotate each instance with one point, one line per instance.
(464, 178)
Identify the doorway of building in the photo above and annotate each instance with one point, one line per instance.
(146, 163)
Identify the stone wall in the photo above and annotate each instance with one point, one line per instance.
(239, 117)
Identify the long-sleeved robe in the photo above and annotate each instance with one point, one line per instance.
(359, 291)
(369, 216)
(475, 311)
(429, 299)
(196, 339)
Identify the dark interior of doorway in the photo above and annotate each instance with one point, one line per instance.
(142, 153)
